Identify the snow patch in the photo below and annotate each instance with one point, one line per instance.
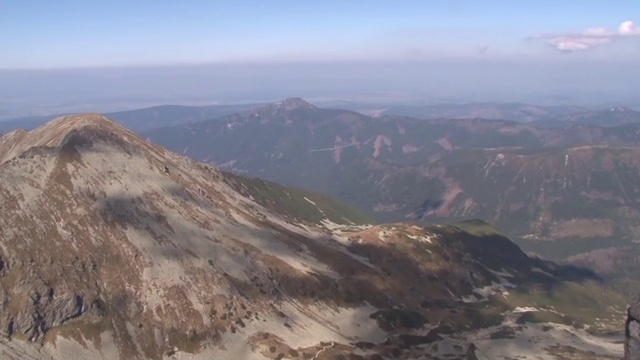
(426, 238)
(500, 287)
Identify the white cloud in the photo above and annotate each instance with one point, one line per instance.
(590, 38)
(628, 28)
(599, 31)
(574, 43)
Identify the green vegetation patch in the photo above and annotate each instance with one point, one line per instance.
(588, 302)
(478, 228)
(483, 314)
(297, 203)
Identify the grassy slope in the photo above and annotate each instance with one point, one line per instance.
(297, 203)
(564, 297)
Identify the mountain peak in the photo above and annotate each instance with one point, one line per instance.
(58, 132)
(280, 107)
(293, 103)
(67, 123)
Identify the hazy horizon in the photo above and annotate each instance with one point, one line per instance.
(120, 55)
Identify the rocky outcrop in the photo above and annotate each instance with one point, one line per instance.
(632, 333)
(471, 352)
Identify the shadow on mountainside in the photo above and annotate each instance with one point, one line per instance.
(413, 284)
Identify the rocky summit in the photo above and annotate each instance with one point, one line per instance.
(113, 247)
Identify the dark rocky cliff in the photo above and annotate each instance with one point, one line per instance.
(632, 333)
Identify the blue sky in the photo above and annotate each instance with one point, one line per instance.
(68, 34)
(78, 55)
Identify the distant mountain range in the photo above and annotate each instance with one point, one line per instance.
(142, 119)
(540, 116)
(493, 111)
(115, 247)
(558, 191)
(608, 117)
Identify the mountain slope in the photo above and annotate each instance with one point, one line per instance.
(91, 197)
(560, 201)
(439, 170)
(114, 247)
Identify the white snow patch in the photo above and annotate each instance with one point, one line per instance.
(529, 342)
(493, 289)
(426, 238)
(340, 228)
(519, 310)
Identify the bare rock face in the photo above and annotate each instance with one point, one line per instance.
(471, 353)
(632, 333)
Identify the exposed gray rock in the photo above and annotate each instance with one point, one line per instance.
(632, 333)
(471, 352)
(45, 308)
